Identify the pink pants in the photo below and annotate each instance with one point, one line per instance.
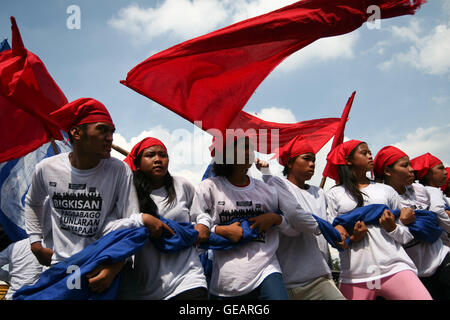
(403, 285)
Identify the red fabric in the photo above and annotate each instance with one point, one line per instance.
(445, 186)
(268, 136)
(81, 111)
(339, 136)
(141, 146)
(295, 147)
(385, 157)
(27, 95)
(422, 164)
(338, 156)
(211, 78)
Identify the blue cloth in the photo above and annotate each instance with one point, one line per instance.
(184, 237)
(424, 228)
(208, 172)
(329, 232)
(54, 283)
(447, 208)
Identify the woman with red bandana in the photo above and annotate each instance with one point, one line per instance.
(250, 270)
(304, 252)
(431, 173)
(377, 265)
(431, 259)
(158, 275)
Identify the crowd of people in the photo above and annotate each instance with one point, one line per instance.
(76, 198)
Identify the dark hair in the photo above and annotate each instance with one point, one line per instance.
(143, 186)
(223, 169)
(286, 168)
(382, 177)
(348, 180)
(83, 128)
(5, 241)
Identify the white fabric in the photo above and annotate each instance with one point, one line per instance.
(24, 269)
(300, 256)
(83, 204)
(240, 270)
(379, 253)
(165, 275)
(426, 256)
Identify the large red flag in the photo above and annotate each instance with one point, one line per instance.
(27, 95)
(268, 136)
(339, 137)
(211, 78)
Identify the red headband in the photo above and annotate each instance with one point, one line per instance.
(338, 156)
(424, 163)
(81, 111)
(139, 147)
(293, 148)
(385, 157)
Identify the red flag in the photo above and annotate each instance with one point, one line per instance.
(269, 136)
(211, 78)
(27, 96)
(339, 137)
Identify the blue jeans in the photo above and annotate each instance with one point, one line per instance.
(272, 288)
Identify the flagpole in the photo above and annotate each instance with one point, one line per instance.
(120, 150)
(55, 148)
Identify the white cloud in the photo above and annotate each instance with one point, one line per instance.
(325, 49)
(434, 140)
(273, 114)
(184, 19)
(428, 53)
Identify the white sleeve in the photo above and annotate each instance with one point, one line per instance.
(5, 255)
(332, 212)
(401, 233)
(202, 204)
(126, 213)
(437, 205)
(296, 216)
(34, 204)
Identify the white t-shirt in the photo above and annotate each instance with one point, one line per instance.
(165, 275)
(84, 204)
(300, 254)
(437, 204)
(24, 268)
(380, 253)
(240, 270)
(426, 256)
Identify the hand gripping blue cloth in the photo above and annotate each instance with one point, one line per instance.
(184, 237)
(424, 228)
(217, 242)
(60, 283)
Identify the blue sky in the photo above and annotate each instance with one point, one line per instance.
(401, 71)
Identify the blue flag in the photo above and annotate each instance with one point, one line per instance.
(15, 180)
(4, 45)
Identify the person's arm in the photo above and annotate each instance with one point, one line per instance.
(437, 205)
(201, 208)
(34, 216)
(232, 232)
(297, 217)
(102, 277)
(265, 221)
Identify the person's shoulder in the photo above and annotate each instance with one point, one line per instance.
(115, 164)
(335, 190)
(55, 162)
(182, 182)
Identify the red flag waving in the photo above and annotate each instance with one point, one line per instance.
(27, 95)
(268, 136)
(211, 78)
(339, 137)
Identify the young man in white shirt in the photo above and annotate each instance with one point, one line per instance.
(89, 193)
